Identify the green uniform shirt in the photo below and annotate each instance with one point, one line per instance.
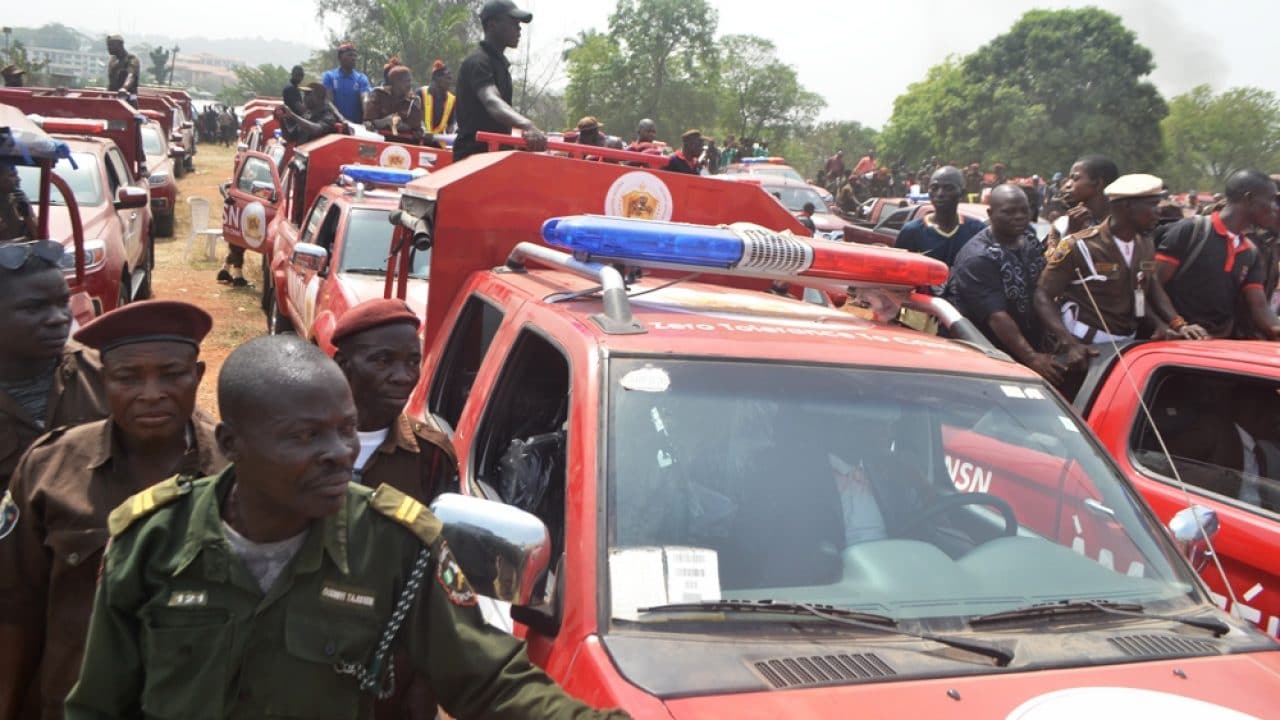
(181, 630)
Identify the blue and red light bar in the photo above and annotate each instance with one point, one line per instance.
(747, 250)
(378, 175)
(774, 160)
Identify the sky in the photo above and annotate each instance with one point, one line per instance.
(858, 56)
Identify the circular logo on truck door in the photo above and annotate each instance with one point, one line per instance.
(253, 224)
(395, 156)
(639, 195)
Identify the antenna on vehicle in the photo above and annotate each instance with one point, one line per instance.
(1151, 422)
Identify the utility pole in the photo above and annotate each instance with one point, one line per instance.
(7, 32)
(173, 63)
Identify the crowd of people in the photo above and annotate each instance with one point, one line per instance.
(1122, 262)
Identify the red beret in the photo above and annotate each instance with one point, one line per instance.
(372, 314)
(147, 321)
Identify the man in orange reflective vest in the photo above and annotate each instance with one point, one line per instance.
(439, 102)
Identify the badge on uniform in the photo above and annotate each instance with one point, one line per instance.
(1061, 252)
(8, 514)
(451, 579)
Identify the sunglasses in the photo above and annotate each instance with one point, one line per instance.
(14, 255)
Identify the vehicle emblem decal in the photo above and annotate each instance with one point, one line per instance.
(8, 515)
(639, 195)
(395, 156)
(253, 224)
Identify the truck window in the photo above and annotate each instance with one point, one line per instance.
(116, 174)
(1222, 432)
(468, 344)
(254, 169)
(313, 222)
(520, 447)
(324, 237)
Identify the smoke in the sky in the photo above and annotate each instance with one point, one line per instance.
(1184, 55)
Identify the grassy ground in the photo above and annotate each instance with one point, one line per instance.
(237, 314)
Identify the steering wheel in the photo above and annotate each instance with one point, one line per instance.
(951, 502)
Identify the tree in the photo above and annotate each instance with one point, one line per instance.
(1208, 137)
(1059, 84)
(592, 62)
(261, 80)
(159, 64)
(418, 32)
(17, 55)
(762, 96)
(811, 145)
(668, 67)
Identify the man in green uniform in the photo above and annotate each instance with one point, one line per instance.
(123, 69)
(1110, 265)
(69, 481)
(279, 588)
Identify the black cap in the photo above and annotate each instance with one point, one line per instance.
(498, 8)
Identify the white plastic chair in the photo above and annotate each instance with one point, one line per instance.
(200, 229)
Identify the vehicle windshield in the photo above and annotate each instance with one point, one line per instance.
(368, 242)
(84, 179)
(906, 494)
(152, 143)
(794, 198)
(777, 171)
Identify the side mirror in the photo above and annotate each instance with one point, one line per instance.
(1190, 527)
(242, 146)
(129, 197)
(309, 258)
(265, 190)
(177, 151)
(175, 136)
(186, 125)
(503, 550)
(222, 189)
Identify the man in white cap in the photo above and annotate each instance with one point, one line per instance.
(1100, 285)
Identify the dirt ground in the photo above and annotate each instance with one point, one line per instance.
(237, 313)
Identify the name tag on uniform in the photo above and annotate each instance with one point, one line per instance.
(188, 598)
(346, 596)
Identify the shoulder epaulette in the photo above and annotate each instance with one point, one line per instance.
(407, 512)
(51, 435)
(147, 502)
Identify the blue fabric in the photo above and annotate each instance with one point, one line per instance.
(345, 90)
(918, 237)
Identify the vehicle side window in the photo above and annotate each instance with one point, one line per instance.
(299, 174)
(116, 176)
(520, 447)
(1222, 431)
(254, 169)
(897, 219)
(328, 229)
(313, 222)
(468, 344)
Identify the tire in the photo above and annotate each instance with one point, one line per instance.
(163, 226)
(179, 169)
(277, 322)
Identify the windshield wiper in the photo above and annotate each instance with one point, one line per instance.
(1080, 607)
(863, 620)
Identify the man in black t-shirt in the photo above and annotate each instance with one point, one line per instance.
(484, 83)
(292, 93)
(1209, 267)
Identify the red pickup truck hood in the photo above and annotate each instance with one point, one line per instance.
(362, 288)
(93, 218)
(1214, 688)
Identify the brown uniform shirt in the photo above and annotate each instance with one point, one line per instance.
(382, 103)
(119, 69)
(418, 460)
(76, 397)
(1112, 281)
(62, 491)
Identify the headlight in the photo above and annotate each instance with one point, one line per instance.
(95, 256)
(159, 178)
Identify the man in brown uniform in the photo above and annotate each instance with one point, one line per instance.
(380, 353)
(71, 479)
(123, 69)
(395, 109)
(45, 381)
(1110, 265)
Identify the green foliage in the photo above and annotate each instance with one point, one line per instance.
(593, 61)
(261, 80)
(17, 55)
(416, 31)
(1208, 137)
(56, 36)
(159, 64)
(761, 96)
(1058, 85)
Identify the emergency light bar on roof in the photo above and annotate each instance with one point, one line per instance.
(764, 161)
(71, 125)
(740, 249)
(21, 138)
(378, 175)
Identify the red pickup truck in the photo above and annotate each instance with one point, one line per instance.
(698, 500)
(1216, 409)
